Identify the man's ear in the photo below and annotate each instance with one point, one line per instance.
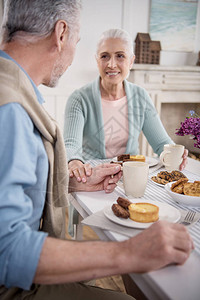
(61, 32)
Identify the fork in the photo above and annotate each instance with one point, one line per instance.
(188, 218)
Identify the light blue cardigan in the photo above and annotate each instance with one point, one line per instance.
(84, 127)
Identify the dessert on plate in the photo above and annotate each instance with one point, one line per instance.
(182, 186)
(165, 177)
(138, 212)
(177, 187)
(143, 212)
(129, 157)
(192, 189)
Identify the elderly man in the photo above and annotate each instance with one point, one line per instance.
(38, 44)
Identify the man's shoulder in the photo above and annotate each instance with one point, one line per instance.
(15, 113)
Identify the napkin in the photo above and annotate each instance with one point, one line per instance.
(99, 220)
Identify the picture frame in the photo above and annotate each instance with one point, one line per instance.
(173, 23)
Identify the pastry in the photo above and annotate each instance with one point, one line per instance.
(180, 181)
(182, 186)
(159, 180)
(123, 202)
(192, 189)
(176, 175)
(137, 158)
(123, 156)
(120, 212)
(164, 177)
(143, 212)
(138, 212)
(177, 187)
(128, 157)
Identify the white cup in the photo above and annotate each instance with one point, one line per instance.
(171, 157)
(135, 176)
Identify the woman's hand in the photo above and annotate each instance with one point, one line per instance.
(184, 162)
(80, 170)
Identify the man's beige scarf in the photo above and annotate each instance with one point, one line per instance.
(16, 87)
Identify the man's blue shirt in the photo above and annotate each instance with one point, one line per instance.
(23, 179)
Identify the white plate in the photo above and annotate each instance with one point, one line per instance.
(159, 184)
(182, 199)
(166, 212)
(150, 160)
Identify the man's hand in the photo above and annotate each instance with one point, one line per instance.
(104, 177)
(80, 170)
(161, 244)
(184, 162)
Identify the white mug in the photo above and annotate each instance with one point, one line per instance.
(135, 176)
(171, 157)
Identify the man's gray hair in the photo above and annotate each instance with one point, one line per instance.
(116, 34)
(34, 19)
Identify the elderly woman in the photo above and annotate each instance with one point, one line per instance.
(104, 118)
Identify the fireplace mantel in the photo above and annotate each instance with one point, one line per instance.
(166, 84)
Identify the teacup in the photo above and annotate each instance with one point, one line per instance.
(135, 176)
(171, 157)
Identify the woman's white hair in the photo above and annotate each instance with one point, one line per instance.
(116, 34)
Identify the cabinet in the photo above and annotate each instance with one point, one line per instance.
(166, 84)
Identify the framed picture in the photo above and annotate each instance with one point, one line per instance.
(173, 23)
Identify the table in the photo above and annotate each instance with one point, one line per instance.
(171, 282)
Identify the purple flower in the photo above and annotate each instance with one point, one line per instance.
(192, 112)
(191, 126)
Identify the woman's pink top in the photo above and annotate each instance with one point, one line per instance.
(115, 117)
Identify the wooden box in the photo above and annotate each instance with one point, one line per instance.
(146, 50)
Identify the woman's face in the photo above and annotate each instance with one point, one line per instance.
(114, 61)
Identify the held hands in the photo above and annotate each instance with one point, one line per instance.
(80, 170)
(161, 244)
(184, 162)
(103, 177)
